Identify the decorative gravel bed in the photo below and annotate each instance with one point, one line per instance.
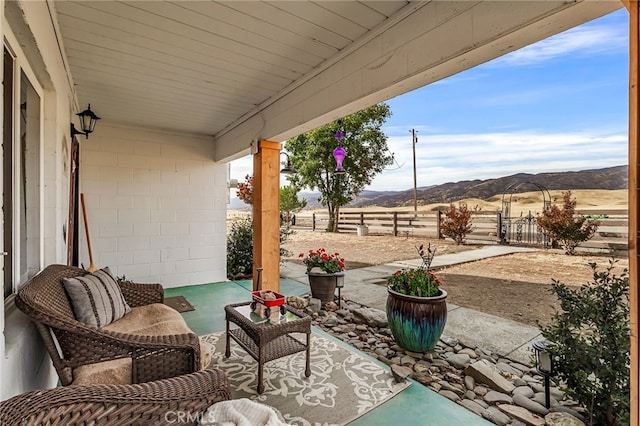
(501, 390)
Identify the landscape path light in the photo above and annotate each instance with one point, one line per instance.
(544, 366)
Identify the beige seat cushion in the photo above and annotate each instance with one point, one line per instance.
(114, 372)
(151, 320)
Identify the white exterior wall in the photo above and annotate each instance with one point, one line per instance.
(25, 364)
(156, 202)
(156, 205)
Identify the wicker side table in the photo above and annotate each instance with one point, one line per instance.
(269, 340)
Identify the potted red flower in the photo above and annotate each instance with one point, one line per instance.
(325, 272)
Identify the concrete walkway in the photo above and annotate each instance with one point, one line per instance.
(503, 336)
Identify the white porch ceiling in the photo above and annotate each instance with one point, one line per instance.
(245, 70)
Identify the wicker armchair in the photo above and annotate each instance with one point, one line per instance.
(72, 344)
(153, 403)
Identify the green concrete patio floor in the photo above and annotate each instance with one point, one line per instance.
(416, 405)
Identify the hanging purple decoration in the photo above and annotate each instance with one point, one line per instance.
(339, 153)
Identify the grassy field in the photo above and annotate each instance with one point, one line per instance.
(591, 200)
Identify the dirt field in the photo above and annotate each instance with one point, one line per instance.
(515, 286)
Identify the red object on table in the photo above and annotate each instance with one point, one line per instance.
(259, 297)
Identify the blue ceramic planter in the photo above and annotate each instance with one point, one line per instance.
(416, 322)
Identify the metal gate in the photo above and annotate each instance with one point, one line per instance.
(523, 230)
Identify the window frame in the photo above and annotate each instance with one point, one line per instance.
(21, 65)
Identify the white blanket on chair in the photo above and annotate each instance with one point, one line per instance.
(242, 412)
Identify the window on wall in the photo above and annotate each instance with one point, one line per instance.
(7, 172)
(29, 179)
(21, 183)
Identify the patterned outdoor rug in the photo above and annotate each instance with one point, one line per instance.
(179, 303)
(342, 387)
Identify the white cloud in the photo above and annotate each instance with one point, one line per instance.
(453, 157)
(584, 40)
(442, 158)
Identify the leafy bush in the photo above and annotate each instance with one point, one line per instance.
(590, 344)
(285, 231)
(566, 226)
(245, 190)
(456, 223)
(240, 248)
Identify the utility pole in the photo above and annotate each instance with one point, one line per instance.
(414, 141)
(415, 177)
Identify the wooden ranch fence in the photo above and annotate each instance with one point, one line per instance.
(488, 227)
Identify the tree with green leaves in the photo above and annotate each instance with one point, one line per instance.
(289, 202)
(367, 155)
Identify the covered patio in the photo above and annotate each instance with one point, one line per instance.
(182, 88)
(410, 405)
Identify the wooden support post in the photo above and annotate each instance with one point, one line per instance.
(266, 216)
(313, 220)
(361, 218)
(395, 224)
(438, 222)
(634, 220)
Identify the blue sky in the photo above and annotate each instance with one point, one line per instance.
(558, 105)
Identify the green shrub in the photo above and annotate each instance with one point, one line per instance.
(285, 231)
(240, 248)
(590, 344)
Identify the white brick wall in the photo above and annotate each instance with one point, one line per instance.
(156, 206)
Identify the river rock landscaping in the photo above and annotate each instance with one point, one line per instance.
(500, 390)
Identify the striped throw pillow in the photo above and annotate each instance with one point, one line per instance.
(96, 298)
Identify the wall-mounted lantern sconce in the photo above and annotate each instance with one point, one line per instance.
(544, 365)
(288, 169)
(88, 120)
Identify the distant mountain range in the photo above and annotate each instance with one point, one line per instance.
(608, 178)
